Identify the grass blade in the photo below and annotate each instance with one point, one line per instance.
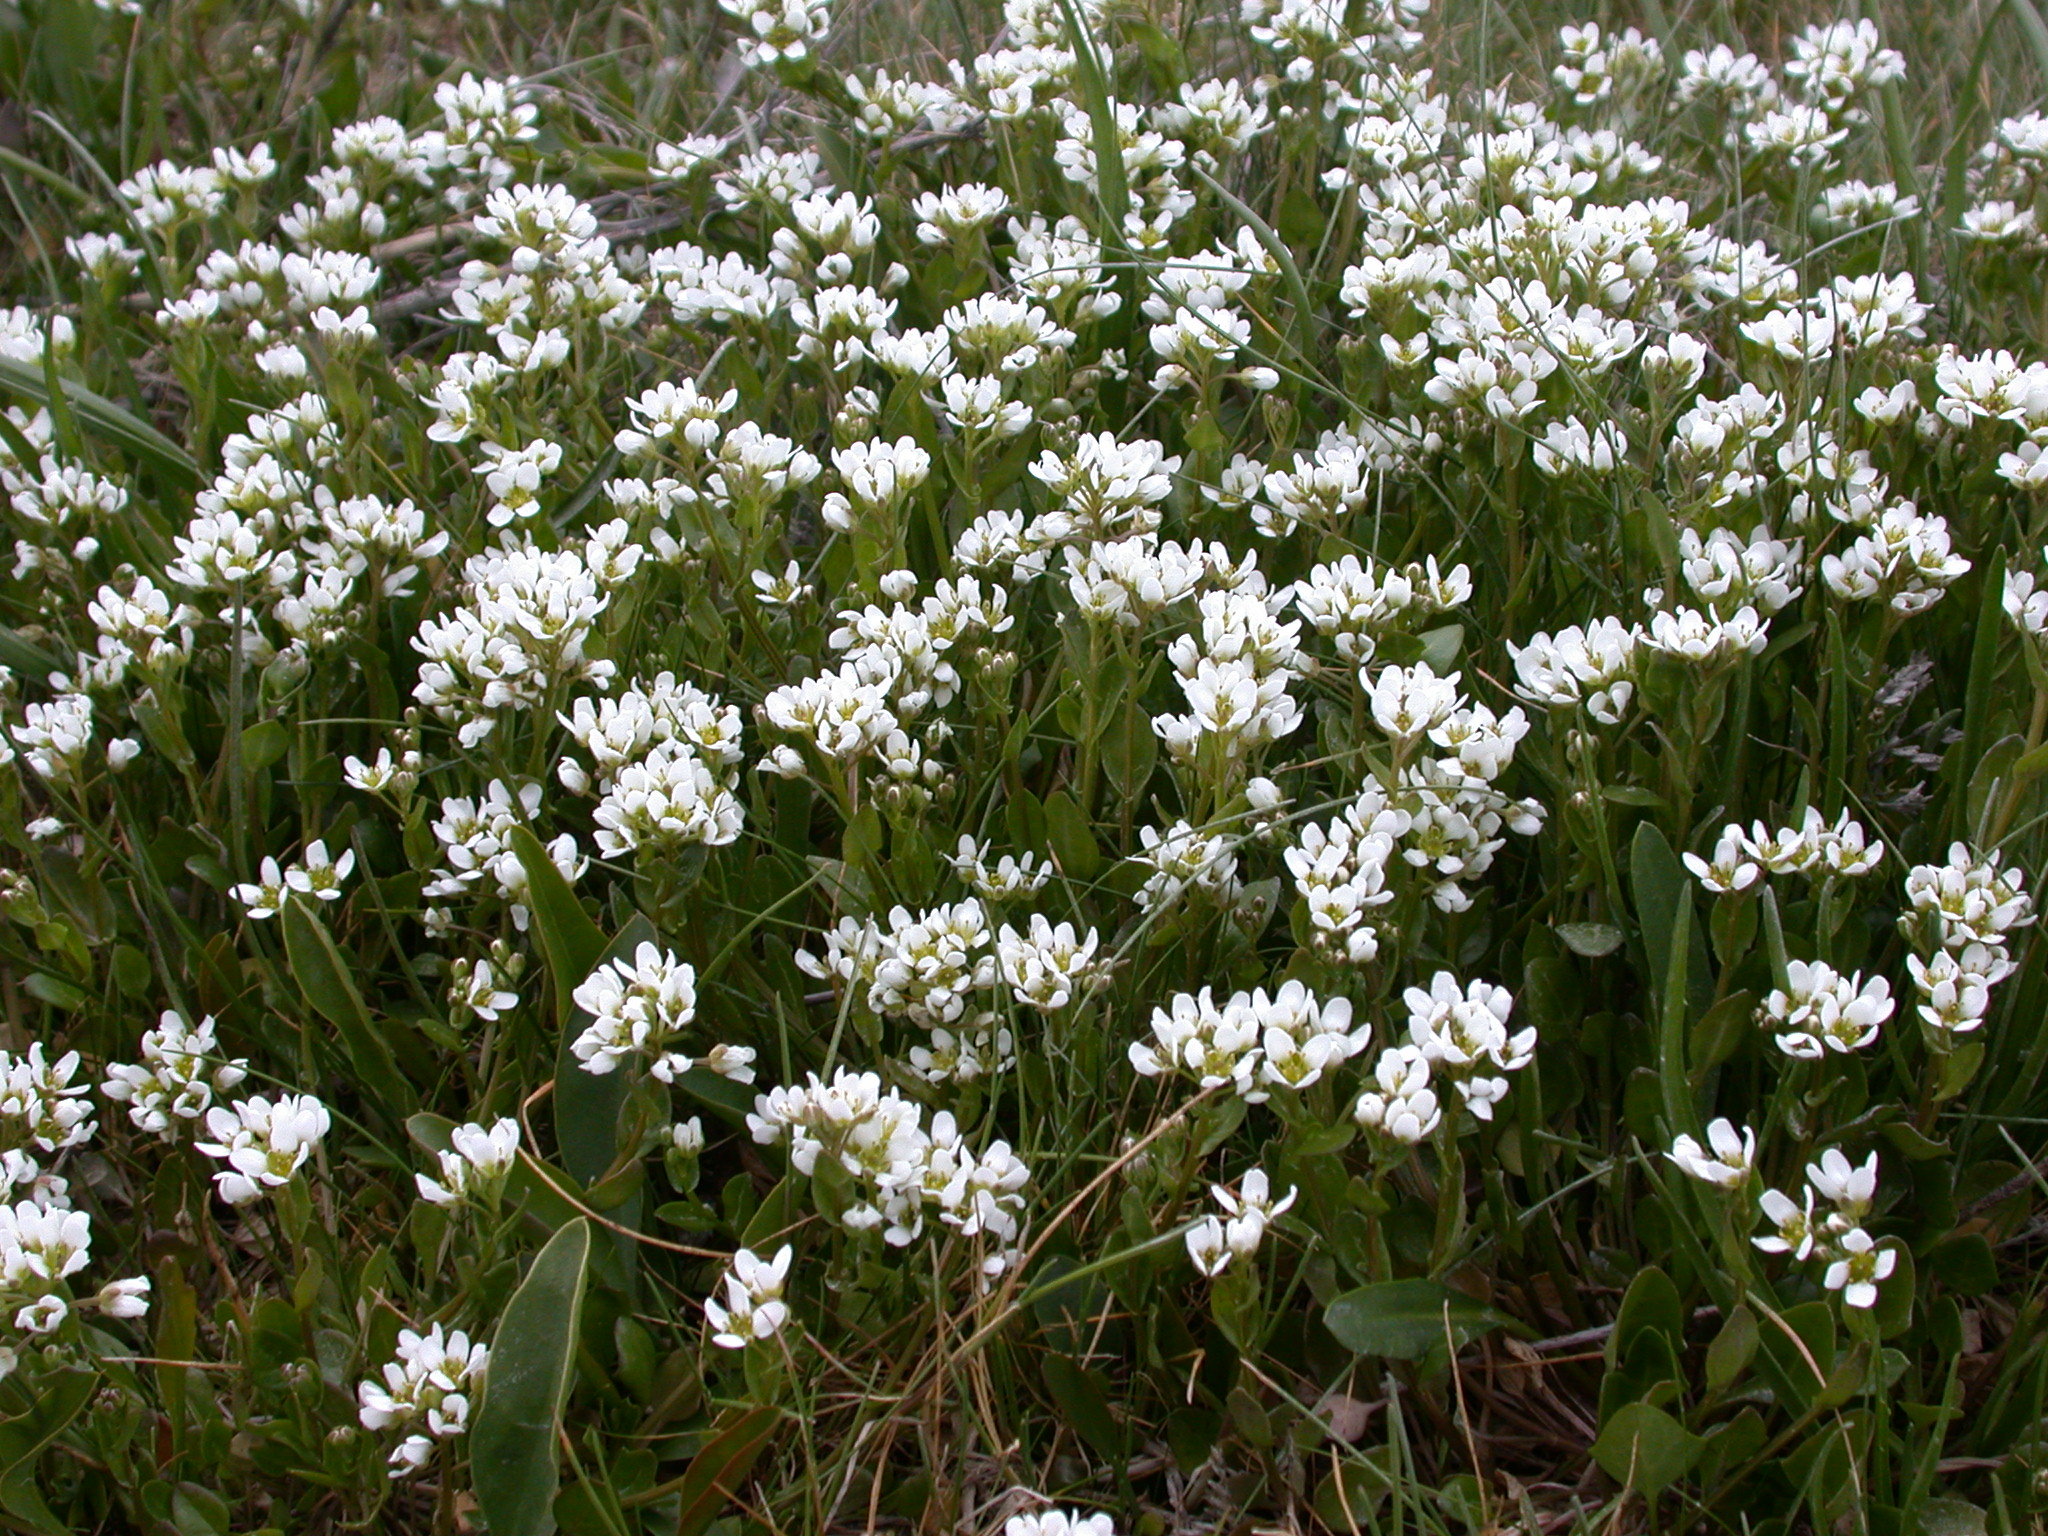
(103, 419)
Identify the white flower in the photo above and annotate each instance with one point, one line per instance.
(1820, 1010)
(123, 1298)
(1731, 869)
(1728, 1164)
(1209, 1247)
(262, 1144)
(753, 1308)
(1248, 1211)
(318, 875)
(1852, 1187)
(474, 992)
(1403, 1107)
(1860, 1268)
(45, 1314)
(1793, 1229)
(514, 476)
(475, 1164)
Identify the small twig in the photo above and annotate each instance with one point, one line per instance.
(1598, 1335)
(2033, 1174)
(420, 240)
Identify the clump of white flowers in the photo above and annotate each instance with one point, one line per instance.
(182, 1068)
(262, 1143)
(639, 1010)
(1251, 1043)
(1462, 1032)
(1855, 1264)
(1819, 1010)
(1059, 1522)
(1969, 907)
(1214, 1241)
(900, 1168)
(1054, 641)
(426, 1391)
(474, 1166)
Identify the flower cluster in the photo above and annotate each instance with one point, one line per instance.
(639, 1009)
(1856, 1265)
(899, 1168)
(1969, 907)
(1127, 556)
(1252, 1043)
(425, 1391)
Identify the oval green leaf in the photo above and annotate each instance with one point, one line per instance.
(512, 1447)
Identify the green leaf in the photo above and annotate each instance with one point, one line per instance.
(1405, 1319)
(774, 1216)
(1646, 1449)
(263, 744)
(1650, 1305)
(1964, 1262)
(587, 1104)
(1719, 1032)
(1732, 1350)
(1592, 940)
(1163, 53)
(1073, 842)
(1440, 647)
(1084, 1402)
(1988, 776)
(23, 656)
(1957, 1069)
(1130, 751)
(1894, 1310)
(570, 941)
(1951, 1517)
(1191, 1436)
(1660, 883)
(1356, 1488)
(735, 1101)
(60, 1398)
(323, 975)
(533, 1355)
(106, 421)
(716, 1472)
(55, 991)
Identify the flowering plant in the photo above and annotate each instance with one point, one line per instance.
(1216, 768)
